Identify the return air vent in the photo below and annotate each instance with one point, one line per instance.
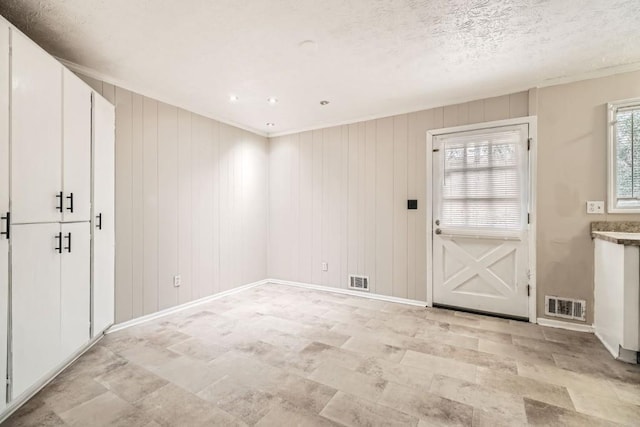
(359, 283)
(566, 308)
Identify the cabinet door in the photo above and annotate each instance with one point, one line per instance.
(4, 203)
(35, 303)
(76, 135)
(36, 126)
(103, 214)
(75, 287)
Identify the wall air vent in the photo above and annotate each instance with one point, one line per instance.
(567, 308)
(359, 283)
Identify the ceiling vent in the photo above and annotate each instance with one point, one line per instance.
(359, 283)
(567, 308)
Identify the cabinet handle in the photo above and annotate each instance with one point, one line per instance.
(8, 219)
(70, 198)
(99, 224)
(59, 239)
(68, 237)
(59, 197)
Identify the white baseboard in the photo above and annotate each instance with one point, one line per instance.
(348, 292)
(16, 403)
(614, 352)
(565, 325)
(181, 307)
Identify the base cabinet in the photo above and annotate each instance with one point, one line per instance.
(50, 298)
(35, 303)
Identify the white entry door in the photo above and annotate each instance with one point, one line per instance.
(480, 220)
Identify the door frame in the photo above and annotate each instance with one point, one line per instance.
(532, 122)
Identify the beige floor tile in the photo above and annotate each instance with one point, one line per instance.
(103, 410)
(428, 407)
(423, 338)
(352, 411)
(496, 402)
(404, 374)
(34, 413)
(280, 416)
(440, 365)
(191, 374)
(627, 392)
(483, 418)
(240, 400)
(514, 352)
(147, 356)
(473, 357)
(301, 393)
(198, 349)
(131, 382)
(373, 348)
(568, 379)
(349, 381)
(526, 387)
(481, 334)
(172, 405)
(606, 408)
(545, 415)
(64, 394)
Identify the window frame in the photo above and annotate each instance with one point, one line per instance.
(612, 188)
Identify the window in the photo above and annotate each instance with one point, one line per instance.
(483, 179)
(624, 156)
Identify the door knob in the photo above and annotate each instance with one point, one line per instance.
(438, 231)
(437, 222)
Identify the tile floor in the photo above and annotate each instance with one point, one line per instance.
(287, 356)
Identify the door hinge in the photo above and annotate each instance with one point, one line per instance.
(528, 218)
(529, 144)
(528, 290)
(435, 150)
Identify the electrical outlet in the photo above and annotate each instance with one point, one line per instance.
(595, 207)
(325, 266)
(177, 280)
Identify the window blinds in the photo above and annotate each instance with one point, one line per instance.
(627, 136)
(483, 179)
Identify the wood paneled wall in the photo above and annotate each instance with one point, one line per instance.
(191, 199)
(339, 195)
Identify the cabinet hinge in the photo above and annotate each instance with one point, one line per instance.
(529, 144)
(435, 150)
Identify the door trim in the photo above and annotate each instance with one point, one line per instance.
(532, 121)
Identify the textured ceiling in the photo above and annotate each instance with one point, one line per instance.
(371, 57)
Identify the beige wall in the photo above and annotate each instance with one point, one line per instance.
(339, 195)
(191, 198)
(572, 167)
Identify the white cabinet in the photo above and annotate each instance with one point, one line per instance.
(36, 133)
(35, 302)
(617, 294)
(4, 203)
(76, 135)
(75, 287)
(50, 298)
(57, 181)
(103, 274)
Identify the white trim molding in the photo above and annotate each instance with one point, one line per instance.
(348, 292)
(181, 307)
(542, 321)
(532, 122)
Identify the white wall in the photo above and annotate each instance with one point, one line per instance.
(191, 199)
(339, 195)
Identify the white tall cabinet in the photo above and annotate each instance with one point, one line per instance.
(4, 205)
(57, 262)
(103, 202)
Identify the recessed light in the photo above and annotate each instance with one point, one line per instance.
(324, 102)
(272, 100)
(233, 98)
(271, 125)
